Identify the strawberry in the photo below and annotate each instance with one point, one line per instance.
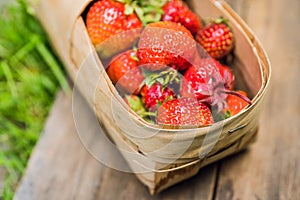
(200, 80)
(106, 18)
(177, 11)
(197, 80)
(235, 103)
(124, 72)
(209, 82)
(194, 83)
(227, 75)
(166, 43)
(156, 94)
(216, 38)
(184, 111)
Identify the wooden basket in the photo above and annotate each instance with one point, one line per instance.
(169, 155)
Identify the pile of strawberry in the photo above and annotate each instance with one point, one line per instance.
(175, 72)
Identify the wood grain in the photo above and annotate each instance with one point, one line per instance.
(270, 169)
(61, 168)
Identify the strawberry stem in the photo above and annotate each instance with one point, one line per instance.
(246, 99)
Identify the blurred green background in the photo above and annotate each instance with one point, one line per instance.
(30, 76)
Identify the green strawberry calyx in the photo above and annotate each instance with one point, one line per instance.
(222, 20)
(164, 77)
(148, 11)
(136, 104)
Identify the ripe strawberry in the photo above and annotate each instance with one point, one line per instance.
(217, 39)
(156, 94)
(201, 81)
(124, 72)
(106, 18)
(184, 111)
(227, 75)
(210, 83)
(235, 103)
(166, 43)
(194, 83)
(177, 11)
(197, 80)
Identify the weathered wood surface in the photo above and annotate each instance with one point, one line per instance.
(271, 169)
(61, 168)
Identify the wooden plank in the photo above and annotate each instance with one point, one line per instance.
(271, 168)
(61, 168)
(57, 165)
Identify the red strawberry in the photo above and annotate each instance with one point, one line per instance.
(123, 70)
(106, 18)
(201, 81)
(235, 103)
(194, 83)
(209, 82)
(166, 43)
(156, 94)
(216, 39)
(177, 11)
(227, 75)
(197, 80)
(184, 111)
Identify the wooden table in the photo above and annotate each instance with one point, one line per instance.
(61, 168)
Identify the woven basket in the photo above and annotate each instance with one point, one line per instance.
(167, 156)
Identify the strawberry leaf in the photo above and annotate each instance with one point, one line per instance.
(128, 10)
(227, 114)
(135, 103)
(140, 13)
(161, 81)
(121, 1)
(149, 81)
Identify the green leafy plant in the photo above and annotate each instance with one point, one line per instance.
(30, 76)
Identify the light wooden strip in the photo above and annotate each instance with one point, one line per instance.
(271, 168)
(61, 168)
